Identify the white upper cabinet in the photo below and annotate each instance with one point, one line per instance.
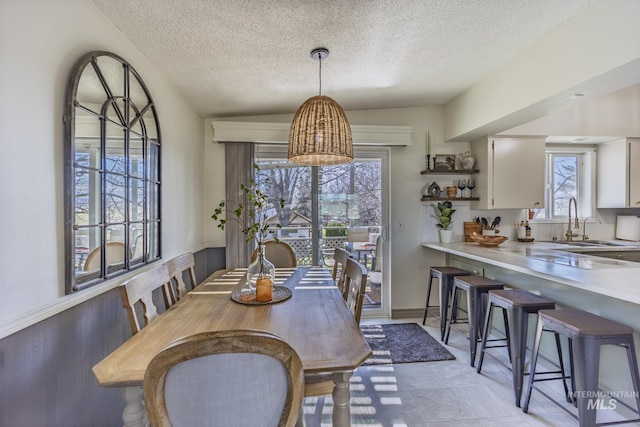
(511, 172)
(618, 174)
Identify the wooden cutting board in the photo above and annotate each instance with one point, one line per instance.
(469, 228)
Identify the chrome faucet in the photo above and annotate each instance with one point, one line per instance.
(584, 227)
(569, 234)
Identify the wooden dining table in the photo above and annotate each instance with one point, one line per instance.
(315, 321)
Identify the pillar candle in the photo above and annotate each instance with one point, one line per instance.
(264, 289)
(427, 142)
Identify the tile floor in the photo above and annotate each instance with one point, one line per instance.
(444, 393)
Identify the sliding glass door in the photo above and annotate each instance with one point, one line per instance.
(328, 207)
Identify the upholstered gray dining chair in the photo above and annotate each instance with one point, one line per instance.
(242, 378)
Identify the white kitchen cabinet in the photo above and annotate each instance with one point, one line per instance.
(511, 172)
(618, 174)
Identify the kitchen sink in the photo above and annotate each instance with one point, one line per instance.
(580, 261)
(610, 243)
(594, 243)
(588, 256)
(578, 243)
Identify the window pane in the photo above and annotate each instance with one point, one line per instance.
(115, 257)
(115, 149)
(87, 250)
(154, 162)
(113, 73)
(115, 202)
(90, 92)
(280, 179)
(136, 159)
(87, 197)
(87, 131)
(154, 202)
(81, 249)
(154, 240)
(115, 233)
(83, 158)
(565, 184)
(137, 243)
(351, 194)
(136, 200)
(136, 93)
(150, 124)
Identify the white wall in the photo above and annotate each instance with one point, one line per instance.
(40, 41)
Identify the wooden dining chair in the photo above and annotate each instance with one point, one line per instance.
(340, 257)
(177, 267)
(355, 282)
(242, 378)
(355, 275)
(138, 291)
(279, 254)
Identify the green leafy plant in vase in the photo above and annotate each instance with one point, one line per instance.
(444, 212)
(252, 217)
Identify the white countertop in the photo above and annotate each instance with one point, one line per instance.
(551, 261)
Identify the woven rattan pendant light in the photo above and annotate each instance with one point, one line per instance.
(320, 133)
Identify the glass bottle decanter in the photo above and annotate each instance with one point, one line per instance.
(260, 276)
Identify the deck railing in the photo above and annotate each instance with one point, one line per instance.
(302, 247)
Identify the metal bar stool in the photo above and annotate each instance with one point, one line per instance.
(586, 333)
(475, 287)
(516, 306)
(445, 277)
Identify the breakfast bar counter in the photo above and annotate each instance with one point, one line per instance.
(604, 286)
(607, 287)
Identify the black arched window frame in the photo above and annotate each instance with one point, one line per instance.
(112, 172)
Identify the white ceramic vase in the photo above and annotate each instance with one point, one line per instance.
(467, 162)
(446, 236)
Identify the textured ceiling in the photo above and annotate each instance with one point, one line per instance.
(249, 57)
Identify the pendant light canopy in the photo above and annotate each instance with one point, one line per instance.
(320, 133)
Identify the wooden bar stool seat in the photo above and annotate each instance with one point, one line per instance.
(516, 305)
(445, 277)
(586, 333)
(476, 287)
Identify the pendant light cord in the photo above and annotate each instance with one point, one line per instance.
(320, 75)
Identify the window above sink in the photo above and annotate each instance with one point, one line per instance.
(568, 173)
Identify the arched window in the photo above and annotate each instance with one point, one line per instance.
(112, 172)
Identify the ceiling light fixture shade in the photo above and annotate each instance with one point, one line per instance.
(320, 133)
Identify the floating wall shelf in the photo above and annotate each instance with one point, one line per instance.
(460, 199)
(449, 172)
